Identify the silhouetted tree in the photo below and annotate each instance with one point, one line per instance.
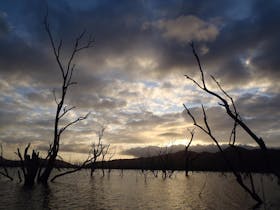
(111, 154)
(66, 71)
(81, 166)
(227, 102)
(97, 149)
(149, 163)
(103, 155)
(29, 165)
(206, 129)
(232, 112)
(153, 163)
(187, 158)
(167, 168)
(4, 173)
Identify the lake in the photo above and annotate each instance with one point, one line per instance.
(133, 190)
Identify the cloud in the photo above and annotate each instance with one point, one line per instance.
(185, 29)
(4, 28)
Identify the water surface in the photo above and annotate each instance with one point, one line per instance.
(135, 191)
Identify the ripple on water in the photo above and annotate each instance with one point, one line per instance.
(79, 191)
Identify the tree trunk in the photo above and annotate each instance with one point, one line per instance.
(32, 166)
(47, 171)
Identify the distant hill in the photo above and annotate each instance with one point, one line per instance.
(149, 151)
(16, 163)
(241, 158)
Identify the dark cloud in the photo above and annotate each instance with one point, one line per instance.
(253, 37)
(4, 28)
(122, 36)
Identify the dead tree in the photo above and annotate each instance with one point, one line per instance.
(187, 158)
(206, 129)
(227, 102)
(96, 149)
(5, 173)
(103, 155)
(153, 163)
(29, 165)
(144, 168)
(66, 70)
(94, 153)
(165, 162)
(111, 154)
(80, 167)
(163, 157)
(232, 112)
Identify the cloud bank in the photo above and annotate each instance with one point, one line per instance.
(132, 80)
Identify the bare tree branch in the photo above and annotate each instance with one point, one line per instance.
(66, 68)
(66, 110)
(233, 114)
(191, 139)
(87, 161)
(73, 122)
(55, 99)
(236, 174)
(226, 105)
(21, 161)
(97, 149)
(55, 51)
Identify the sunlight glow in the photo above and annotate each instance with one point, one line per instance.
(247, 61)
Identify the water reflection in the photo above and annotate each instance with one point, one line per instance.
(131, 191)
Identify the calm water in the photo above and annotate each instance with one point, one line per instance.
(133, 191)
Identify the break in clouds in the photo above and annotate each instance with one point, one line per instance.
(132, 80)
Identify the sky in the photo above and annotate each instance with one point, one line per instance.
(132, 79)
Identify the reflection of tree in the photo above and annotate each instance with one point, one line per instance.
(47, 195)
(227, 102)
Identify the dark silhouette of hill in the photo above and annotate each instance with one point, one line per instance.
(155, 150)
(244, 160)
(16, 163)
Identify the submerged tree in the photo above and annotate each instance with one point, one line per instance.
(32, 166)
(66, 71)
(97, 150)
(206, 129)
(29, 165)
(166, 165)
(227, 102)
(111, 154)
(187, 156)
(103, 156)
(4, 173)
